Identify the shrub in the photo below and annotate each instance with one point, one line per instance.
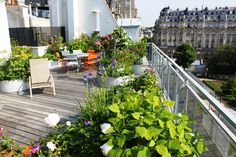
(17, 66)
(229, 91)
(126, 121)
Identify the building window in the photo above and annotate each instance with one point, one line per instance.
(234, 37)
(221, 38)
(228, 38)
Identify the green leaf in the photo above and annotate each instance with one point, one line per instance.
(152, 143)
(156, 102)
(161, 123)
(121, 116)
(200, 147)
(168, 103)
(149, 119)
(133, 122)
(154, 132)
(142, 132)
(115, 152)
(143, 153)
(110, 141)
(136, 115)
(114, 108)
(120, 140)
(186, 147)
(162, 150)
(174, 144)
(172, 132)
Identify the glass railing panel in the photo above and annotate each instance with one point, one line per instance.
(214, 122)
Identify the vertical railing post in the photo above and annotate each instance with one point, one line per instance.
(176, 92)
(186, 96)
(168, 79)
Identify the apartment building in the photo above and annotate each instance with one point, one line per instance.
(124, 8)
(205, 29)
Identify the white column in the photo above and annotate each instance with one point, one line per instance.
(54, 13)
(5, 44)
(73, 19)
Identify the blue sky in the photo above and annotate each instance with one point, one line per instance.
(149, 10)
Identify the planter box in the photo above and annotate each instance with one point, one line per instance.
(138, 69)
(39, 50)
(109, 82)
(13, 86)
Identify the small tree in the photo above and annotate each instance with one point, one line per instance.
(222, 62)
(229, 91)
(185, 55)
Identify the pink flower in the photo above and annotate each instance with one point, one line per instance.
(53, 49)
(35, 149)
(98, 43)
(1, 131)
(109, 36)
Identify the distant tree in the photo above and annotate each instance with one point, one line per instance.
(223, 61)
(185, 55)
(229, 91)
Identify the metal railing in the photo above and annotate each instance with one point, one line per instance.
(191, 98)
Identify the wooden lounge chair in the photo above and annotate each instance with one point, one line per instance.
(40, 76)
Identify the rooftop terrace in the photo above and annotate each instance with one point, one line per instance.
(23, 117)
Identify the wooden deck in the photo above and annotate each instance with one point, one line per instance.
(23, 118)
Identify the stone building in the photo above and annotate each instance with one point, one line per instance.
(124, 8)
(205, 29)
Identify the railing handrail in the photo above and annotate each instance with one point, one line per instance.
(215, 103)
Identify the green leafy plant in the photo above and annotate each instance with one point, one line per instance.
(138, 50)
(17, 66)
(76, 44)
(55, 47)
(141, 126)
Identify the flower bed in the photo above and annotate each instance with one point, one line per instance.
(130, 120)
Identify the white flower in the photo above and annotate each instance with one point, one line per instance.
(194, 142)
(68, 123)
(105, 149)
(105, 127)
(120, 69)
(122, 80)
(180, 114)
(52, 119)
(51, 146)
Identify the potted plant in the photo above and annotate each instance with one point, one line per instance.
(76, 44)
(139, 50)
(14, 71)
(54, 51)
(116, 59)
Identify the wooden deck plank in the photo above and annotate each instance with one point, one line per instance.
(23, 118)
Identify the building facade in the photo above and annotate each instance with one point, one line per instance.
(124, 8)
(205, 29)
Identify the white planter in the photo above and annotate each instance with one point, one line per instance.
(13, 86)
(39, 50)
(111, 81)
(138, 69)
